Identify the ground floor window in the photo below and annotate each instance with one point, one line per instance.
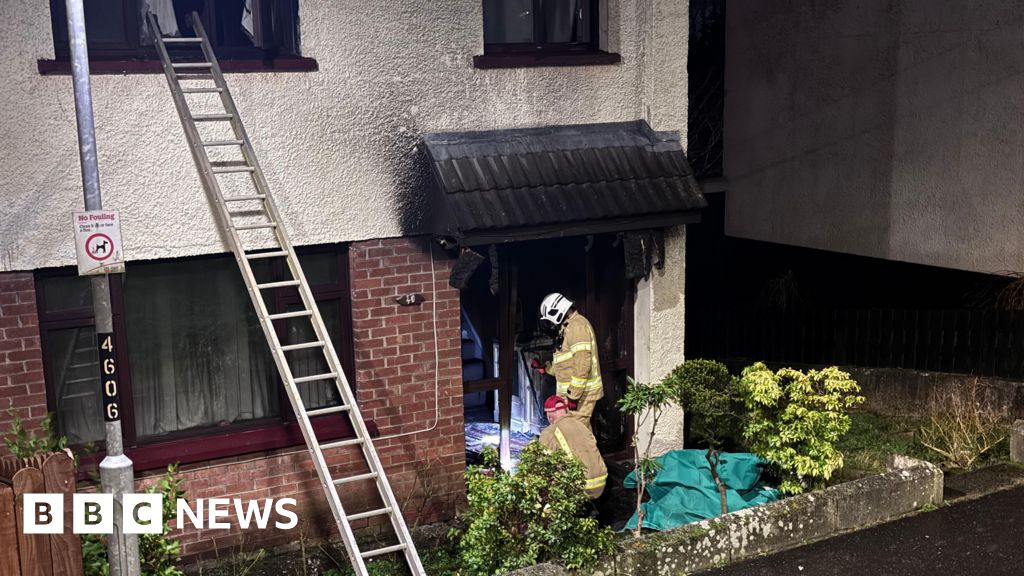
(193, 357)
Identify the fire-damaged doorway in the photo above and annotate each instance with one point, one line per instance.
(545, 209)
(501, 334)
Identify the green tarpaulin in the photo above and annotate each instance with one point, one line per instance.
(684, 491)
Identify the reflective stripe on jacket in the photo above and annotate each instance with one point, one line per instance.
(575, 439)
(576, 365)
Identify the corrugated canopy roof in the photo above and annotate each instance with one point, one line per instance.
(559, 181)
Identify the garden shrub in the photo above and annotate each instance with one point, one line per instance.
(518, 519)
(644, 402)
(795, 420)
(24, 443)
(709, 395)
(964, 423)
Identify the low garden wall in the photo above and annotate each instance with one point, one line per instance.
(910, 390)
(907, 485)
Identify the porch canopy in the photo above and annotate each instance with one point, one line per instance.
(506, 185)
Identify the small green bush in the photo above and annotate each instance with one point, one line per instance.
(24, 443)
(530, 516)
(645, 402)
(710, 396)
(159, 553)
(795, 420)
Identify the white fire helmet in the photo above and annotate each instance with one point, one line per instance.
(554, 307)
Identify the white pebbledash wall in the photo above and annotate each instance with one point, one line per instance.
(338, 145)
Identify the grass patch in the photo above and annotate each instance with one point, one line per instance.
(873, 437)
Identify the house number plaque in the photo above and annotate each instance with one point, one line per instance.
(108, 376)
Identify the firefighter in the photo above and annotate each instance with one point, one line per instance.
(575, 365)
(574, 437)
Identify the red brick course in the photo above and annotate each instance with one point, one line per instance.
(21, 359)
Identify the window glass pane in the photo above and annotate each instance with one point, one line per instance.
(508, 21)
(104, 23)
(565, 21)
(73, 367)
(65, 293)
(311, 361)
(197, 355)
(320, 267)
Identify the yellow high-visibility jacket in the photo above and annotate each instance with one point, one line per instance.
(576, 367)
(573, 437)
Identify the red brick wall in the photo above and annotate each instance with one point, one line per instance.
(395, 381)
(21, 360)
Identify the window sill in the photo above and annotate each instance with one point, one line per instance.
(532, 60)
(99, 67)
(227, 443)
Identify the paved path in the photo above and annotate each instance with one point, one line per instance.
(983, 537)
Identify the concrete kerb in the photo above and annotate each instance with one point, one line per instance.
(1017, 442)
(906, 486)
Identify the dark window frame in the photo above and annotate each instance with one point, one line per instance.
(215, 442)
(527, 54)
(281, 20)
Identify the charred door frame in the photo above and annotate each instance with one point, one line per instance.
(508, 296)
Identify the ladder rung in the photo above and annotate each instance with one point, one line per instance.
(303, 346)
(201, 90)
(275, 254)
(385, 550)
(182, 40)
(328, 410)
(191, 65)
(244, 198)
(355, 478)
(315, 377)
(78, 395)
(340, 443)
(282, 284)
(255, 226)
(223, 143)
(211, 117)
(284, 315)
(370, 514)
(230, 169)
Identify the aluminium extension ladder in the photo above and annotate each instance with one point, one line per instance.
(209, 70)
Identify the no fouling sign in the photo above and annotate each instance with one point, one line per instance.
(98, 242)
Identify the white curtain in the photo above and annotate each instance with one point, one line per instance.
(197, 355)
(561, 17)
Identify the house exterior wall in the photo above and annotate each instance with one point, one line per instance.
(881, 128)
(658, 337)
(396, 372)
(339, 146)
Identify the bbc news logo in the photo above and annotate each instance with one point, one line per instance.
(144, 513)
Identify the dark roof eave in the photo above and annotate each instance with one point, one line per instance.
(567, 229)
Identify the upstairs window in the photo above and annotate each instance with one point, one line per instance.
(238, 29)
(528, 26)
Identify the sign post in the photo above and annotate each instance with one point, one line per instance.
(102, 251)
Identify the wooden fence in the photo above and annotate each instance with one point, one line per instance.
(37, 554)
(979, 342)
